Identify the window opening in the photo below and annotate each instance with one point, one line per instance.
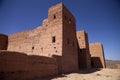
(53, 39)
(54, 16)
(33, 48)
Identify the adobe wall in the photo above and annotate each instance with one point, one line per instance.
(50, 39)
(70, 52)
(3, 42)
(97, 55)
(18, 66)
(83, 54)
(39, 40)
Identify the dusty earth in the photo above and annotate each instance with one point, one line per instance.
(93, 74)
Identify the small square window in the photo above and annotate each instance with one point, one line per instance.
(54, 16)
(33, 48)
(53, 39)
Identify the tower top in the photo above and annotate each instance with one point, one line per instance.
(59, 4)
(60, 12)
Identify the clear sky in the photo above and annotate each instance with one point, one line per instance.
(100, 18)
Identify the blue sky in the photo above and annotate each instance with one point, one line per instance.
(100, 18)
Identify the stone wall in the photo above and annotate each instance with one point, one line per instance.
(15, 65)
(83, 54)
(3, 42)
(97, 55)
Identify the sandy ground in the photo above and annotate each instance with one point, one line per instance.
(94, 74)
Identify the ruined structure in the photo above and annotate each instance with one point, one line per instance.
(50, 49)
(97, 55)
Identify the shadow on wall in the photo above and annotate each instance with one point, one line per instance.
(19, 66)
(83, 71)
(59, 63)
(96, 62)
(87, 71)
(82, 58)
(50, 77)
(96, 65)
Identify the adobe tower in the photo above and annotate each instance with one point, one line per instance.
(97, 55)
(83, 54)
(63, 20)
(56, 36)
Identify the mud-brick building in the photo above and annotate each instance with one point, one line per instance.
(50, 49)
(52, 38)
